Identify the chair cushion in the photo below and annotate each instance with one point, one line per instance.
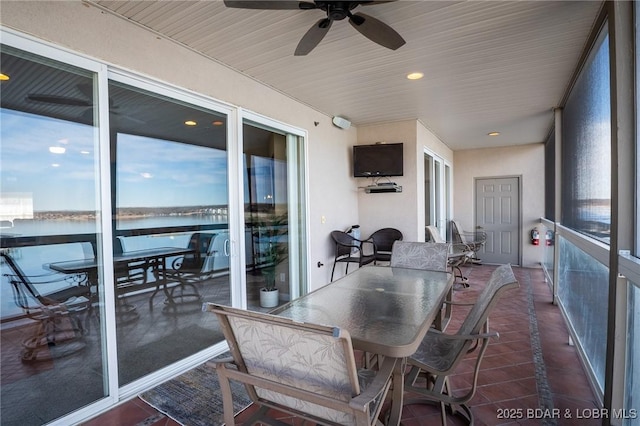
(416, 255)
(289, 357)
(437, 353)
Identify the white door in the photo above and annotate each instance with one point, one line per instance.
(498, 214)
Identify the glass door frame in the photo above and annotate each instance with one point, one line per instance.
(179, 94)
(113, 393)
(440, 178)
(236, 172)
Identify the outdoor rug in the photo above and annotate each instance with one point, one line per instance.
(194, 398)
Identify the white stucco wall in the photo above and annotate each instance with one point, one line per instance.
(390, 210)
(404, 211)
(88, 31)
(526, 161)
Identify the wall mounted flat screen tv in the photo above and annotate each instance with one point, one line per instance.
(377, 160)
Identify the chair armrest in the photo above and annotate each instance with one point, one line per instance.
(215, 362)
(460, 248)
(377, 386)
(451, 302)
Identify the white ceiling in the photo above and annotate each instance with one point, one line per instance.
(488, 65)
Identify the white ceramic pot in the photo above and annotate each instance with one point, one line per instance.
(269, 299)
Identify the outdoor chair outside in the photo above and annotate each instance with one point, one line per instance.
(192, 268)
(383, 240)
(303, 369)
(425, 256)
(459, 254)
(439, 355)
(58, 324)
(350, 250)
(474, 240)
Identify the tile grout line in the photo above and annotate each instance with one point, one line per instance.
(545, 398)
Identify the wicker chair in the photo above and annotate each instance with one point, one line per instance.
(346, 245)
(383, 240)
(302, 369)
(440, 354)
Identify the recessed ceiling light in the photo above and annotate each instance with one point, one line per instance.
(190, 123)
(415, 76)
(217, 123)
(4, 77)
(494, 134)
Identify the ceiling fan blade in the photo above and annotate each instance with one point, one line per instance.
(313, 37)
(59, 100)
(376, 31)
(270, 5)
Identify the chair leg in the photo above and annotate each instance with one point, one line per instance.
(333, 270)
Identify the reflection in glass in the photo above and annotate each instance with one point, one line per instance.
(266, 216)
(583, 291)
(51, 335)
(171, 247)
(586, 145)
(548, 253)
(274, 213)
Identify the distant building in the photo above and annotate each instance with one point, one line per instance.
(15, 205)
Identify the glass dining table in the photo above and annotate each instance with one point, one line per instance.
(387, 311)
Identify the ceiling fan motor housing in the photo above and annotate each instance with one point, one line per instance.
(337, 12)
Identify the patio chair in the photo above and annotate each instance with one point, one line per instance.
(129, 277)
(440, 354)
(474, 240)
(459, 254)
(426, 256)
(344, 252)
(190, 269)
(303, 369)
(383, 240)
(59, 329)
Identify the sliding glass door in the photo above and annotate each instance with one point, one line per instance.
(274, 215)
(52, 328)
(125, 204)
(170, 225)
(437, 186)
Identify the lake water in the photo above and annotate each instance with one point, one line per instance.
(33, 260)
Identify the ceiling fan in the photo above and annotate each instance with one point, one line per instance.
(85, 102)
(370, 27)
(71, 101)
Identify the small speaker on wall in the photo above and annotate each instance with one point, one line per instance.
(340, 122)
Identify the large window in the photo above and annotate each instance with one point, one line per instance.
(586, 148)
(171, 230)
(53, 353)
(550, 177)
(122, 210)
(274, 215)
(583, 273)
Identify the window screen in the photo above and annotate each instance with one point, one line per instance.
(586, 148)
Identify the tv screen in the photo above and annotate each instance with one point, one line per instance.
(377, 160)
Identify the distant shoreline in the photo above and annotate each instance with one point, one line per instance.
(131, 213)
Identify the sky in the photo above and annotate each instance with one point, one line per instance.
(150, 172)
